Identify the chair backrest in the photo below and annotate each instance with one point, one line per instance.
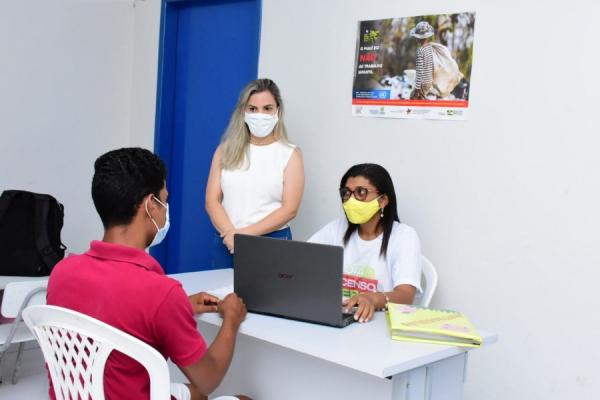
(429, 281)
(76, 347)
(18, 295)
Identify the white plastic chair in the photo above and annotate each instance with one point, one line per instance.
(76, 348)
(17, 296)
(429, 281)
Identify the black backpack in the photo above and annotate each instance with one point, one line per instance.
(30, 225)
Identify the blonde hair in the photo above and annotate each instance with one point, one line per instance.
(236, 139)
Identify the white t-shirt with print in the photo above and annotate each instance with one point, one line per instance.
(364, 269)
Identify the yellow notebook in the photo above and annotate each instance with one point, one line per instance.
(420, 324)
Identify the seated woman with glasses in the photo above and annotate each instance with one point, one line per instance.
(382, 257)
(256, 178)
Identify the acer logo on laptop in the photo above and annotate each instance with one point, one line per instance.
(282, 275)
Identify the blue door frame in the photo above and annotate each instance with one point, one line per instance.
(208, 52)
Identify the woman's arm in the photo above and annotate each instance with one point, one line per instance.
(402, 294)
(293, 187)
(214, 196)
(367, 303)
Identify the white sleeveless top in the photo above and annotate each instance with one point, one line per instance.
(256, 190)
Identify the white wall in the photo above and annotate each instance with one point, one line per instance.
(65, 96)
(145, 69)
(506, 203)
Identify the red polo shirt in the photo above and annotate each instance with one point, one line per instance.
(125, 287)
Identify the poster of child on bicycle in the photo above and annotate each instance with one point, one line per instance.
(414, 67)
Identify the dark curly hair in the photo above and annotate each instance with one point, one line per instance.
(122, 178)
(381, 179)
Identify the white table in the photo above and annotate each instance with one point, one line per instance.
(5, 280)
(276, 358)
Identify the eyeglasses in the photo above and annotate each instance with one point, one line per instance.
(360, 193)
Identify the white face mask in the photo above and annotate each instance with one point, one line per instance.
(160, 232)
(261, 125)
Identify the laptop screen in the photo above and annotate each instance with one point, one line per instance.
(289, 278)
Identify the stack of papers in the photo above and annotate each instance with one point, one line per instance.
(420, 324)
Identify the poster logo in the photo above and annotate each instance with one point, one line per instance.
(371, 36)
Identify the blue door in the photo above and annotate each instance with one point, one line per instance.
(208, 52)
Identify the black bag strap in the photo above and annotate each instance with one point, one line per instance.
(40, 230)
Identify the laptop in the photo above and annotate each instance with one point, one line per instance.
(290, 279)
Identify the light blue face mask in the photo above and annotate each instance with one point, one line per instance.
(160, 232)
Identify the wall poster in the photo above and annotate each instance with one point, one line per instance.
(414, 67)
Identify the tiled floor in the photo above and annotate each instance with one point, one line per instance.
(32, 384)
(28, 387)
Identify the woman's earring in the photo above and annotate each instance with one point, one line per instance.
(381, 215)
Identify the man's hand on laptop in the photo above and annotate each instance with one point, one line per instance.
(203, 302)
(232, 308)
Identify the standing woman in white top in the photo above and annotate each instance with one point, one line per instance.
(382, 257)
(256, 177)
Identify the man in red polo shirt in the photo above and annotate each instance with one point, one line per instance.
(117, 282)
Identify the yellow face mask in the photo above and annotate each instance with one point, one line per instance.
(359, 212)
